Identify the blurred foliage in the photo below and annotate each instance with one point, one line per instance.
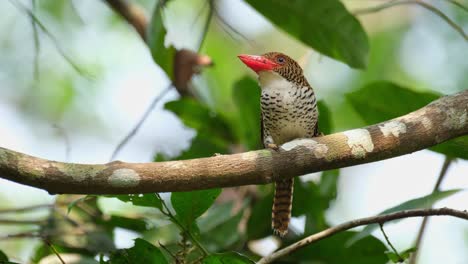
(202, 226)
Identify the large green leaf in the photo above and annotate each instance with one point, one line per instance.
(246, 95)
(198, 116)
(135, 224)
(381, 101)
(227, 258)
(333, 250)
(419, 203)
(326, 26)
(141, 252)
(162, 55)
(190, 205)
(325, 121)
(259, 224)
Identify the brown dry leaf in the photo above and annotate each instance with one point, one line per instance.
(186, 64)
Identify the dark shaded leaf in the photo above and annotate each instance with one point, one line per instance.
(332, 250)
(326, 26)
(328, 184)
(190, 205)
(147, 200)
(325, 121)
(199, 117)
(162, 55)
(3, 256)
(202, 146)
(259, 224)
(246, 95)
(227, 258)
(419, 203)
(141, 252)
(134, 224)
(381, 101)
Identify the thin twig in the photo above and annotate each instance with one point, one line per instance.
(429, 7)
(229, 29)
(37, 44)
(359, 222)
(24, 209)
(54, 40)
(400, 259)
(436, 188)
(140, 122)
(166, 211)
(460, 5)
(21, 222)
(207, 25)
(66, 139)
(54, 250)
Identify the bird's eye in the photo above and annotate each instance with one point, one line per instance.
(280, 59)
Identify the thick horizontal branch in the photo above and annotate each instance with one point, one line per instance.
(439, 121)
(380, 219)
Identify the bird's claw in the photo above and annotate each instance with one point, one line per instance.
(272, 146)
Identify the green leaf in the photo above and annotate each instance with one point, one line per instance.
(141, 252)
(246, 95)
(259, 224)
(225, 234)
(190, 205)
(370, 250)
(381, 101)
(135, 224)
(227, 258)
(199, 117)
(202, 146)
(392, 256)
(325, 121)
(147, 200)
(328, 184)
(326, 26)
(162, 55)
(3, 257)
(419, 203)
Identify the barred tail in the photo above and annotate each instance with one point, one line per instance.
(282, 205)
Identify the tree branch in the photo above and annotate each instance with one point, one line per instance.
(437, 122)
(132, 13)
(359, 222)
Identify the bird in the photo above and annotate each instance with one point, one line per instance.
(288, 111)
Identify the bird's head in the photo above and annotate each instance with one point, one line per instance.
(273, 62)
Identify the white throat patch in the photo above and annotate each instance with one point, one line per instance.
(272, 81)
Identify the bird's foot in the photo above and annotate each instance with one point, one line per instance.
(272, 146)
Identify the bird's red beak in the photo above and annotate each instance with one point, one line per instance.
(257, 63)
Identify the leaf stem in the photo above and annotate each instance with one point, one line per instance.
(400, 259)
(171, 216)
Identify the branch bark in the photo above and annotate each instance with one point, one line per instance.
(439, 121)
(359, 222)
(132, 13)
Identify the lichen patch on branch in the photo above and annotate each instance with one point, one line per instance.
(394, 128)
(359, 141)
(455, 119)
(124, 178)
